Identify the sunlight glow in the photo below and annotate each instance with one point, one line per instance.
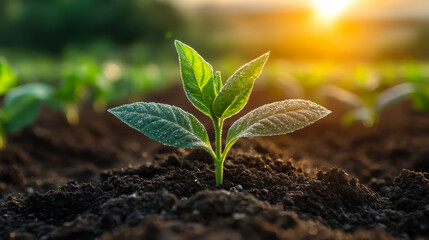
(328, 10)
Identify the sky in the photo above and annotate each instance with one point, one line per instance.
(358, 8)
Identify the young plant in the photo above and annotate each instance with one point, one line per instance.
(203, 87)
(420, 83)
(21, 107)
(7, 78)
(367, 107)
(75, 81)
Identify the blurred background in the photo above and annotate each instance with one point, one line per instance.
(349, 50)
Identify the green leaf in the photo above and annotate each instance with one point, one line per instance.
(218, 82)
(277, 118)
(234, 94)
(367, 116)
(21, 105)
(393, 95)
(7, 78)
(341, 94)
(420, 94)
(75, 78)
(197, 77)
(164, 123)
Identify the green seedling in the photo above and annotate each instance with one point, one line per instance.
(7, 78)
(74, 83)
(368, 107)
(107, 86)
(302, 83)
(21, 107)
(420, 83)
(173, 126)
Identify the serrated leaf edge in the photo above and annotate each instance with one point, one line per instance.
(206, 144)
(267, 54)
(206, 110)
(322, 115)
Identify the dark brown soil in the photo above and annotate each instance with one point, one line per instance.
(101, 179)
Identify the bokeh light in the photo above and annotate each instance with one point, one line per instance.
(328, 10)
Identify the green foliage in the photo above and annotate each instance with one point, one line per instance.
(368, 107)
(218, 82)
(7, 78)
(303, 81)
(420, 95)
(2, 138)
(198, 78)
(367, 89)
(167, 124)
(52, 25)
(76, 78)
(235, 94)
(172, 126)
(276, 118)
(21, 106)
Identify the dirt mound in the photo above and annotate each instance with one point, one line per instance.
(261, 199)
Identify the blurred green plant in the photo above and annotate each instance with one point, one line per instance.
(300, 81)
(366, 108)
(76, 80)
(55, 24)
(7, 78)
(83, 82)
(420, 83)
(367, 90)
(21, 107)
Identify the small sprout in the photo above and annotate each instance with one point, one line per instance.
(174, 127)
(367, 109)
(74, 83)
(420, 83)
(21, 106)
(7, 79)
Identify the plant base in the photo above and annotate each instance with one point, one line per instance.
(219, 172)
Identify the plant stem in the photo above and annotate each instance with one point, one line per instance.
(218, 131)
(218, 123)
(72, 113)
(219, 172)
(226, 150)
(210, 151)
(2, 138)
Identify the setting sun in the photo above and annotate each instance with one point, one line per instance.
(330, 9)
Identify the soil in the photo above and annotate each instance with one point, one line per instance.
(102, 180)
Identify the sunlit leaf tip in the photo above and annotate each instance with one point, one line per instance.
(277, 118)
(197, 77)
(235, 93)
